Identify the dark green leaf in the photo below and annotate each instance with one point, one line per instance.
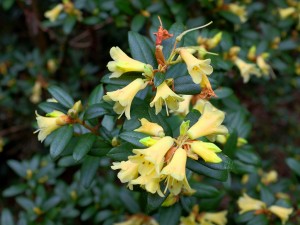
(294, 165)
(6, 217)
(96, 110)
(69, 24)
(49, 107)
(259, 220)
(245, 217)
(226, 164)
(193, 116)
(67, 161)
(25, 203)
(61, 96)
(96, 95)
(17, 167)
(201, 169)
(168, 44)
(133, 138)
(14, 190)
(103, 215)
(141, 48)
(185, 85)
(248, 156)
(266, 195)
(170, 215)
(223, 92)
(159, 78)
(129, 201)
(205, 190)
(88, 170)
(137, 22)
(154, 201)
(88, 213)
(121, 152)
(51, 203)
(241, 167)
(231, 144)
(83, 146)
(62, 137)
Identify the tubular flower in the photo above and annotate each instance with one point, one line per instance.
(184, 106)
(246, 69)
(209, 124)
(54, 13)
(123, 63)
(238, 10)
(206, 151)
(123, 97)
(51, 122)
(154, 154)
(246, 203)
(263, 66)
(281, 212)
(175, 173)
(190, 220)
(196, 67)
(152, 129)
(218, 218)
(270, 177)
(128, 171)
(286, 12)
(164, 95)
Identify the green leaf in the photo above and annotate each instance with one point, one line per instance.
(25, 203)
(205, 190)
(62, 137)
(133, 138)
(185, 85)
(193, 116)
(168, 44)
(96, 110)
(159, 78)
(230, 17)
(6, 217)
(248, 157)
(226, 164)
(61, 96)
(51, 203)
(129, 202)
(69, 24)
(241, 167)
(266, 195)
(199, 168)
(103, 215)
(96, 95)
(294, 165)
(88, 213)
(231, 144)
(160, 119)
(100, 148)
(67, 161)
(121, 152)
(137, 22)
(141, 48)
(223, 92)
(88, 170)
(154, 201)
(14, 190)
(259, 220)
(83, 146)
(170, 215)
(49, 107)
(17, 167)
(245, 217)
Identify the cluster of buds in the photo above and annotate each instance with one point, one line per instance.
(204, 218)
(197, 68)
(248, 204)
(165, 158)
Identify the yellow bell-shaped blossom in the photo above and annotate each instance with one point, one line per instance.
(238, 10)
(123, 97)
(175, 173)
(150, 128)
(209, 124)
(269, 177)
(218, 218)
(214, 41)
(51, 122)
(246, 69)
(128, 171)
(263, 66)
(36, 92)
(189, 220)
(164, 95)
(286, 12)
(139, 219)
(196, 67)
(184, 106)
(206, 151)
(282, 212)
(123, 63)
(54, 13)
(154, 154)
(246, 203)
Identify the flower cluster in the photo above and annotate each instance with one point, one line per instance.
(246, 204)
(165, 158)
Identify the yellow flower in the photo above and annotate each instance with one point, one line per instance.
(152, 129)
(123, 97)
(54, 13)
(128, 171)
(238, 10)
(281, 212)
(206, 151)
(222, 139)
(246, 69)
(252, 53)
(123, 63)
(175, 173)
(218, 218)
(154, 154)
(286, 12)
(246, 203)
(209, 124)
(270, 177)
(139, 219)
(184, 106)
(196, 67)
(164, 95)
(36, 92)
(214, 41)
(76, 108)
(189, 220)
(263, 66)
(48, 124)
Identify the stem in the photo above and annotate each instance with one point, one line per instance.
(82, 123)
